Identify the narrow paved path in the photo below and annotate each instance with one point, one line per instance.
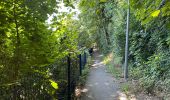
(100, 84)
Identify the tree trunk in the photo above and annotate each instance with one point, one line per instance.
(17, 50)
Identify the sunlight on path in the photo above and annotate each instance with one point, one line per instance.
(100, 84)
(123, 96)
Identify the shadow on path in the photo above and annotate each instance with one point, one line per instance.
(100, 84)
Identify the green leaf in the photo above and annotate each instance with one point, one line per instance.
(155, 13)
(103, 0)
(54, 84)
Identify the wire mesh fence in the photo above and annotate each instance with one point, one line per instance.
(38, 83)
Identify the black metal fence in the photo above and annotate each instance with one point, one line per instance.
(37, 83)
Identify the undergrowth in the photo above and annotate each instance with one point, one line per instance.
(85, 71)
(113, 65)
(153, 76)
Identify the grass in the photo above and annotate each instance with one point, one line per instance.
(131, 88)
(116, 72)
(113, 66)
(82, 80)
(125, 87)
(85, 72)
(83, 77)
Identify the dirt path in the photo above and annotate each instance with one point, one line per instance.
(100, 84)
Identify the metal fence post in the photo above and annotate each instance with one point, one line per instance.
(80, 64)
(69, 77)
(85, 61)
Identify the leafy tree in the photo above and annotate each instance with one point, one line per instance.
(28, 46)
(149, 35)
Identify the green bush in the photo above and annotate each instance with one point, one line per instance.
(155, 75)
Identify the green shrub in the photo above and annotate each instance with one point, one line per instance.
(125, 87)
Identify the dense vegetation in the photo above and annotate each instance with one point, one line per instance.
(33, 52)
(149, 37)
(31, 45)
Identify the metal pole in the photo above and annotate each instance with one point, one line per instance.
(85, 60)
(80, 64)
(126, 47)
(69, 77)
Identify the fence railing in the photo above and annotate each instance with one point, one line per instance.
(36, 84)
